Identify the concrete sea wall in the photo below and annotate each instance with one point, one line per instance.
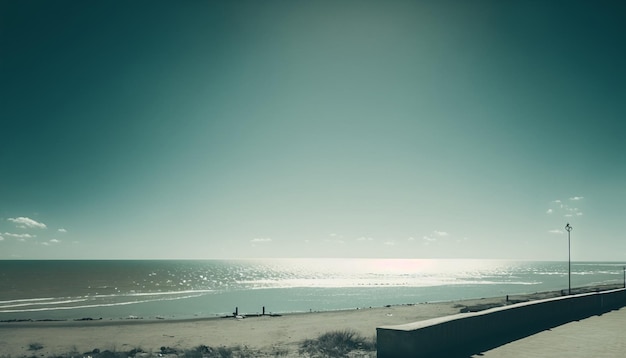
(465, 334)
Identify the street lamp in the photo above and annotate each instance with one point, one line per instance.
(568, 227)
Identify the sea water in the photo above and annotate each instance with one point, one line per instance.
(168, 289)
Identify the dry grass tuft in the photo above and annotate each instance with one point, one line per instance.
(336, 344)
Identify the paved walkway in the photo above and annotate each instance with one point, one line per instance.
(596, 336)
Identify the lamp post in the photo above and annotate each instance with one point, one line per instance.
(624, 276)
(568, 227)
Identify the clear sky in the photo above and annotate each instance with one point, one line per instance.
(412, 129)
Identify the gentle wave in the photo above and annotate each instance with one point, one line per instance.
(139, 294)
(95, 305)
(28, 300)
(52, 300)
(42, 303)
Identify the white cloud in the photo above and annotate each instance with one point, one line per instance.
(261, 240)
(363, 238)
(45, 243)
(24, 222)
(62, 230)
(567, 210)
(440, 233)
(1, 238)
(389, 243)
(556, 231)
(55, 241)
(411, 238)
(23, 236)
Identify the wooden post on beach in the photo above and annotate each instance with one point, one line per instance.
(236, 311)
(263, 310)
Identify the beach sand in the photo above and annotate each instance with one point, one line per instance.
(264, 334)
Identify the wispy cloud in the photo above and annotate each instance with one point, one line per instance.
(341, 242)
(434, 237)
(1, 238)
(24, 236)
(335, 238)
(560, 208)
(62, 230)
(51, 242)
(579, 214)
(411, 238)
(556, 231)
(427, 240)
(390, 243)
(260, 240)
(363, 238)
(24, 222)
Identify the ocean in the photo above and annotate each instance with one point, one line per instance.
(180, 289)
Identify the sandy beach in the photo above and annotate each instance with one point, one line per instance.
(264, 335)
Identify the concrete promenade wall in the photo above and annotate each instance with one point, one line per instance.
(464, 334)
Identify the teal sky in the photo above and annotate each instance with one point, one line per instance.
(413, 129)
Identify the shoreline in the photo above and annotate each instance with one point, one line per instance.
(263, 334)
(512, 298)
